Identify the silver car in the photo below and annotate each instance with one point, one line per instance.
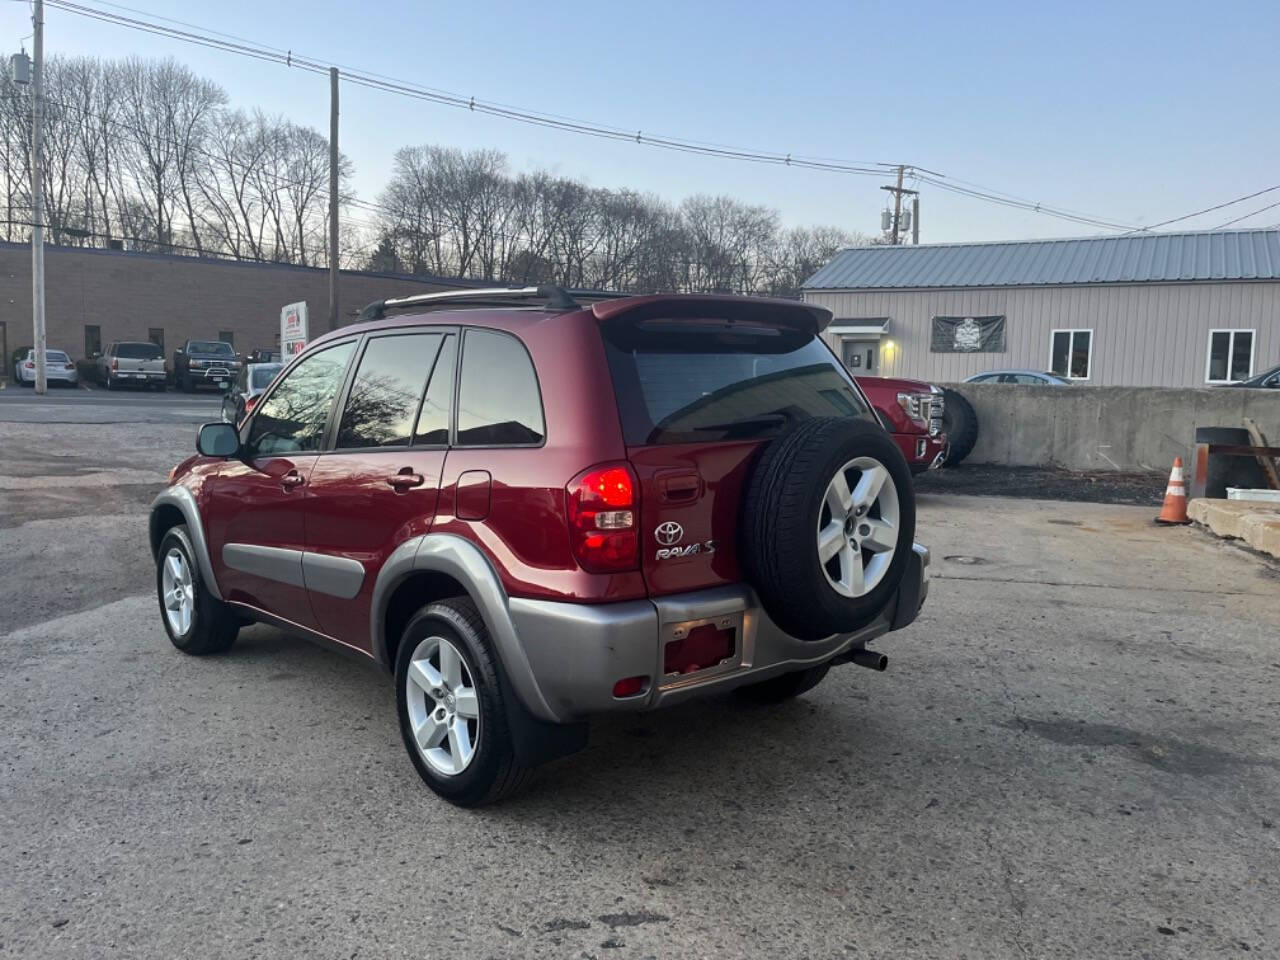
(1032, 377)
(253, 379)
(58, 368)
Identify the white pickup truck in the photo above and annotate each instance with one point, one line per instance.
(126, 362)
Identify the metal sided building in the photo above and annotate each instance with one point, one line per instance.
(1147, 309)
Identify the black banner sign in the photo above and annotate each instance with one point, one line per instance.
(967, 335)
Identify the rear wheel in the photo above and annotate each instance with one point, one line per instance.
(452, 716)
(785, 687)
(196, 621)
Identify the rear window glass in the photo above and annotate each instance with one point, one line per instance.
(55, 356)
(683, 381)
(263, 374)
(138, 351)
(215, 347)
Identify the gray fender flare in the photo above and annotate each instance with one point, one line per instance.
(465, 562)
(185, 501)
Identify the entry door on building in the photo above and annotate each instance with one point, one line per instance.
(861, 357)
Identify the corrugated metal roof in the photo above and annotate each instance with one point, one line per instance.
(1136, 258)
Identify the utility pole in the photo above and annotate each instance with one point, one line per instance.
(37, 192)
(897, 192)
(915, 219)
(333, 198)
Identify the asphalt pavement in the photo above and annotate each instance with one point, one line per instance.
(1072, 754)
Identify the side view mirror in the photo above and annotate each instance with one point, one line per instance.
(218, 440)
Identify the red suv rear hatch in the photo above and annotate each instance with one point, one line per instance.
(702, 383)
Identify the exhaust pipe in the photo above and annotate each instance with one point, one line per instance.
(871, 659)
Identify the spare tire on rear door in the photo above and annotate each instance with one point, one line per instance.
(828, 521)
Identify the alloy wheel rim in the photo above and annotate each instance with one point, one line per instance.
(444, 708)
(857, 533)
(177, 591)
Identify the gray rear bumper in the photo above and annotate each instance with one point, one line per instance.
(576, 652)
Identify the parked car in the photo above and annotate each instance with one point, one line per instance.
(254, 378)
(1027, 377)
(911, 410)
(1269, 378)
(127, 362)
(260, 355)
(535, 516)
(205, 362)
(58, 368)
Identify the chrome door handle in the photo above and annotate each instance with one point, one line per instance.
(292, 479)
(403, 481)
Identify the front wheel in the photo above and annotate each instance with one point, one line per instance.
(452, 716)
(197, 622)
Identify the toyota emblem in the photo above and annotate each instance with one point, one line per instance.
(669, 533)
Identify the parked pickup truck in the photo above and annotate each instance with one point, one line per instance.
(911, 410)
(205, 361)
(135, 362)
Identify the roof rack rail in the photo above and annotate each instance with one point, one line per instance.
(551, 297)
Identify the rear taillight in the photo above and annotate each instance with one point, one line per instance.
(115, 364)
(29, 365)
(602, 518)
(250, 403)
(71, 366)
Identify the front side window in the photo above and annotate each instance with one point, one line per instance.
(292, 419)
(1072, 354)
(498, 399)
(1230, 356)
(383, 401)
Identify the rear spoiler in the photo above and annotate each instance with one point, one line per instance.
(794, 314)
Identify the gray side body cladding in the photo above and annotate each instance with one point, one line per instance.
(183, 499)
(463, 561)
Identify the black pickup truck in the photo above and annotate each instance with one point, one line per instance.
(205, 362)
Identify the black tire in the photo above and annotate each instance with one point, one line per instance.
(111, 382)
(960, 423)
(785, 687)
(781, 509)
(493, 773)
(213, 626)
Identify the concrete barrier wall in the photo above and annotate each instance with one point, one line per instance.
(1106, 428)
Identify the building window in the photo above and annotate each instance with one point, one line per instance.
(1071, 355)
(92, 339)
(227, 336)
(1230, 356)
(156, 336)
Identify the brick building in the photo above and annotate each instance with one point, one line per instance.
(93, 297)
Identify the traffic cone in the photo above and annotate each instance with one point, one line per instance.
(1175, 498)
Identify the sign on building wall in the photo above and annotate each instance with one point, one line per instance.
(293, 329)
(967, 335)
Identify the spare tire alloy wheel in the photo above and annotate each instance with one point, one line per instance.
(444, 711)
(858, 527)
(827, 525)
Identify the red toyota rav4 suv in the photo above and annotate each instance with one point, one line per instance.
(533, 508)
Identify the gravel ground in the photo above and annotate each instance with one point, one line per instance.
(1045, 483)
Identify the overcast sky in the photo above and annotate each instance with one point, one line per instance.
(1136, 112)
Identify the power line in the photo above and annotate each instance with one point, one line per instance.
(1062, 214)
(1219, 206)
(1270, 206)
(367, 79)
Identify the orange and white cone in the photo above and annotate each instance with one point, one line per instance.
(1175, 498)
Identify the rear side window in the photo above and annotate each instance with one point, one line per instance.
(498, 399)
(682, 381)
(138, 351)
(382, 404)
(292, 419)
